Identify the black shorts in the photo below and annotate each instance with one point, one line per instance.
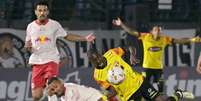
(155, 73)
(146, 91)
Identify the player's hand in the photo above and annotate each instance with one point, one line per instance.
(90, 37)
(28, 46)
(196, 39)
(117, 22)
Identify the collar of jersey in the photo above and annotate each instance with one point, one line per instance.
(43, 23)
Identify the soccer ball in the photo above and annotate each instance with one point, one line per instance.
(116, 75)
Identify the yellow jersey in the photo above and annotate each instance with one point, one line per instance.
(132, 81)
(154, 50)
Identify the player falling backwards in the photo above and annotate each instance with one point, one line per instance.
(117, 77)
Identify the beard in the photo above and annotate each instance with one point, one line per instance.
(42, 18)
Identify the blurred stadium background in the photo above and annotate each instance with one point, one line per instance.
(178, 18)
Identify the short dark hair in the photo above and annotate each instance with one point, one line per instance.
(50, 80)
(92, 55)
(41, 2)
(156, 25)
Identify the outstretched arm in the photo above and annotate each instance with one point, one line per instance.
(131, 50)
(133, 59)
(127, 50)
(75, 37)
(118, 22)
(187, 40)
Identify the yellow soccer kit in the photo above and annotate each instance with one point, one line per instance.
(154, 50)
(132, 81)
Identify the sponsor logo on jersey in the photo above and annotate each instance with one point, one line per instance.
(155, 49)
(42, 39)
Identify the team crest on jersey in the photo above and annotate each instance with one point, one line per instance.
(42, 39)
(155, 49)
(116, 64)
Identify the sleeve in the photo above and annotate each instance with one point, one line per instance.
(28, 35)
(119, 51)
(104, 84)
(99, 79)
(60, 32)
(142, 35)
